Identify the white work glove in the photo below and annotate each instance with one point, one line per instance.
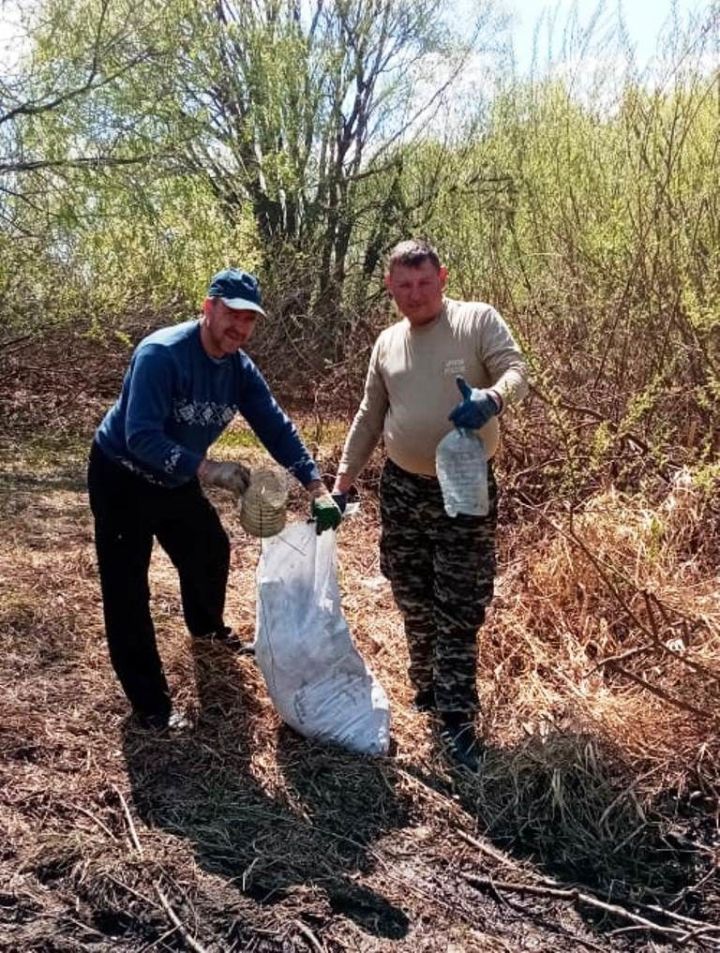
(230, 476)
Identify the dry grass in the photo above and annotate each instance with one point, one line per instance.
(599, 681)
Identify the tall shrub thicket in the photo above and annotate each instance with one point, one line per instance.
(595, 226)
(148, 143)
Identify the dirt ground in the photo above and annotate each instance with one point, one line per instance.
(240, 835)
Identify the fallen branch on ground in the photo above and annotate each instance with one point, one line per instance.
(580, 897)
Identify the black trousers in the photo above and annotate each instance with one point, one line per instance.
(129, 512)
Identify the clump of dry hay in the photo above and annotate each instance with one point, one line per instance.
(601, 688)
(603, 597)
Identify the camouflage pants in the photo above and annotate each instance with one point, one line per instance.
(441, 570)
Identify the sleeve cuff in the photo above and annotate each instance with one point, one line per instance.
(499, 400)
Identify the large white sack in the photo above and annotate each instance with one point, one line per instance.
(317, 679)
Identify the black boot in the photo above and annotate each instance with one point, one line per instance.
(459, 739)
(424, 699)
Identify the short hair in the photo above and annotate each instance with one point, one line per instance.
(413, 252)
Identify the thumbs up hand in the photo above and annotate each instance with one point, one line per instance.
(476, 407)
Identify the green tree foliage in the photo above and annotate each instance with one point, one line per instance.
(143, 145)
(270, 126)
(595, 228)
(63, 150)
(302, 105)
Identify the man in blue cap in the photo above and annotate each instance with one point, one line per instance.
(148, 462)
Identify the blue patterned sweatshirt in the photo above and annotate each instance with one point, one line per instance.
(176, 400)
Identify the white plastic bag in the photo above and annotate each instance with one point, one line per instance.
(317, 679)
(461, 466)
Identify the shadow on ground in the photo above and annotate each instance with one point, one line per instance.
(314, 833)
(570, 809)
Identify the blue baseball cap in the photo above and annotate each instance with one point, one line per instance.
(237, 289)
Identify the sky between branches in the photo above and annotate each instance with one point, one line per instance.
(645, 21)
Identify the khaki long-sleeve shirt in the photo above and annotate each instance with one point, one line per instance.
(410, 387)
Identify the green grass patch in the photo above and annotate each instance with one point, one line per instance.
(44, 452)
(325, 434)
(234, 439)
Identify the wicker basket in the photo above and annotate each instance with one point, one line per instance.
(263, 508)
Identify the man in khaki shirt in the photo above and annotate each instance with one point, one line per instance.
(446, 363)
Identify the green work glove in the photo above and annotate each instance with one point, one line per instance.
(326, 513)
